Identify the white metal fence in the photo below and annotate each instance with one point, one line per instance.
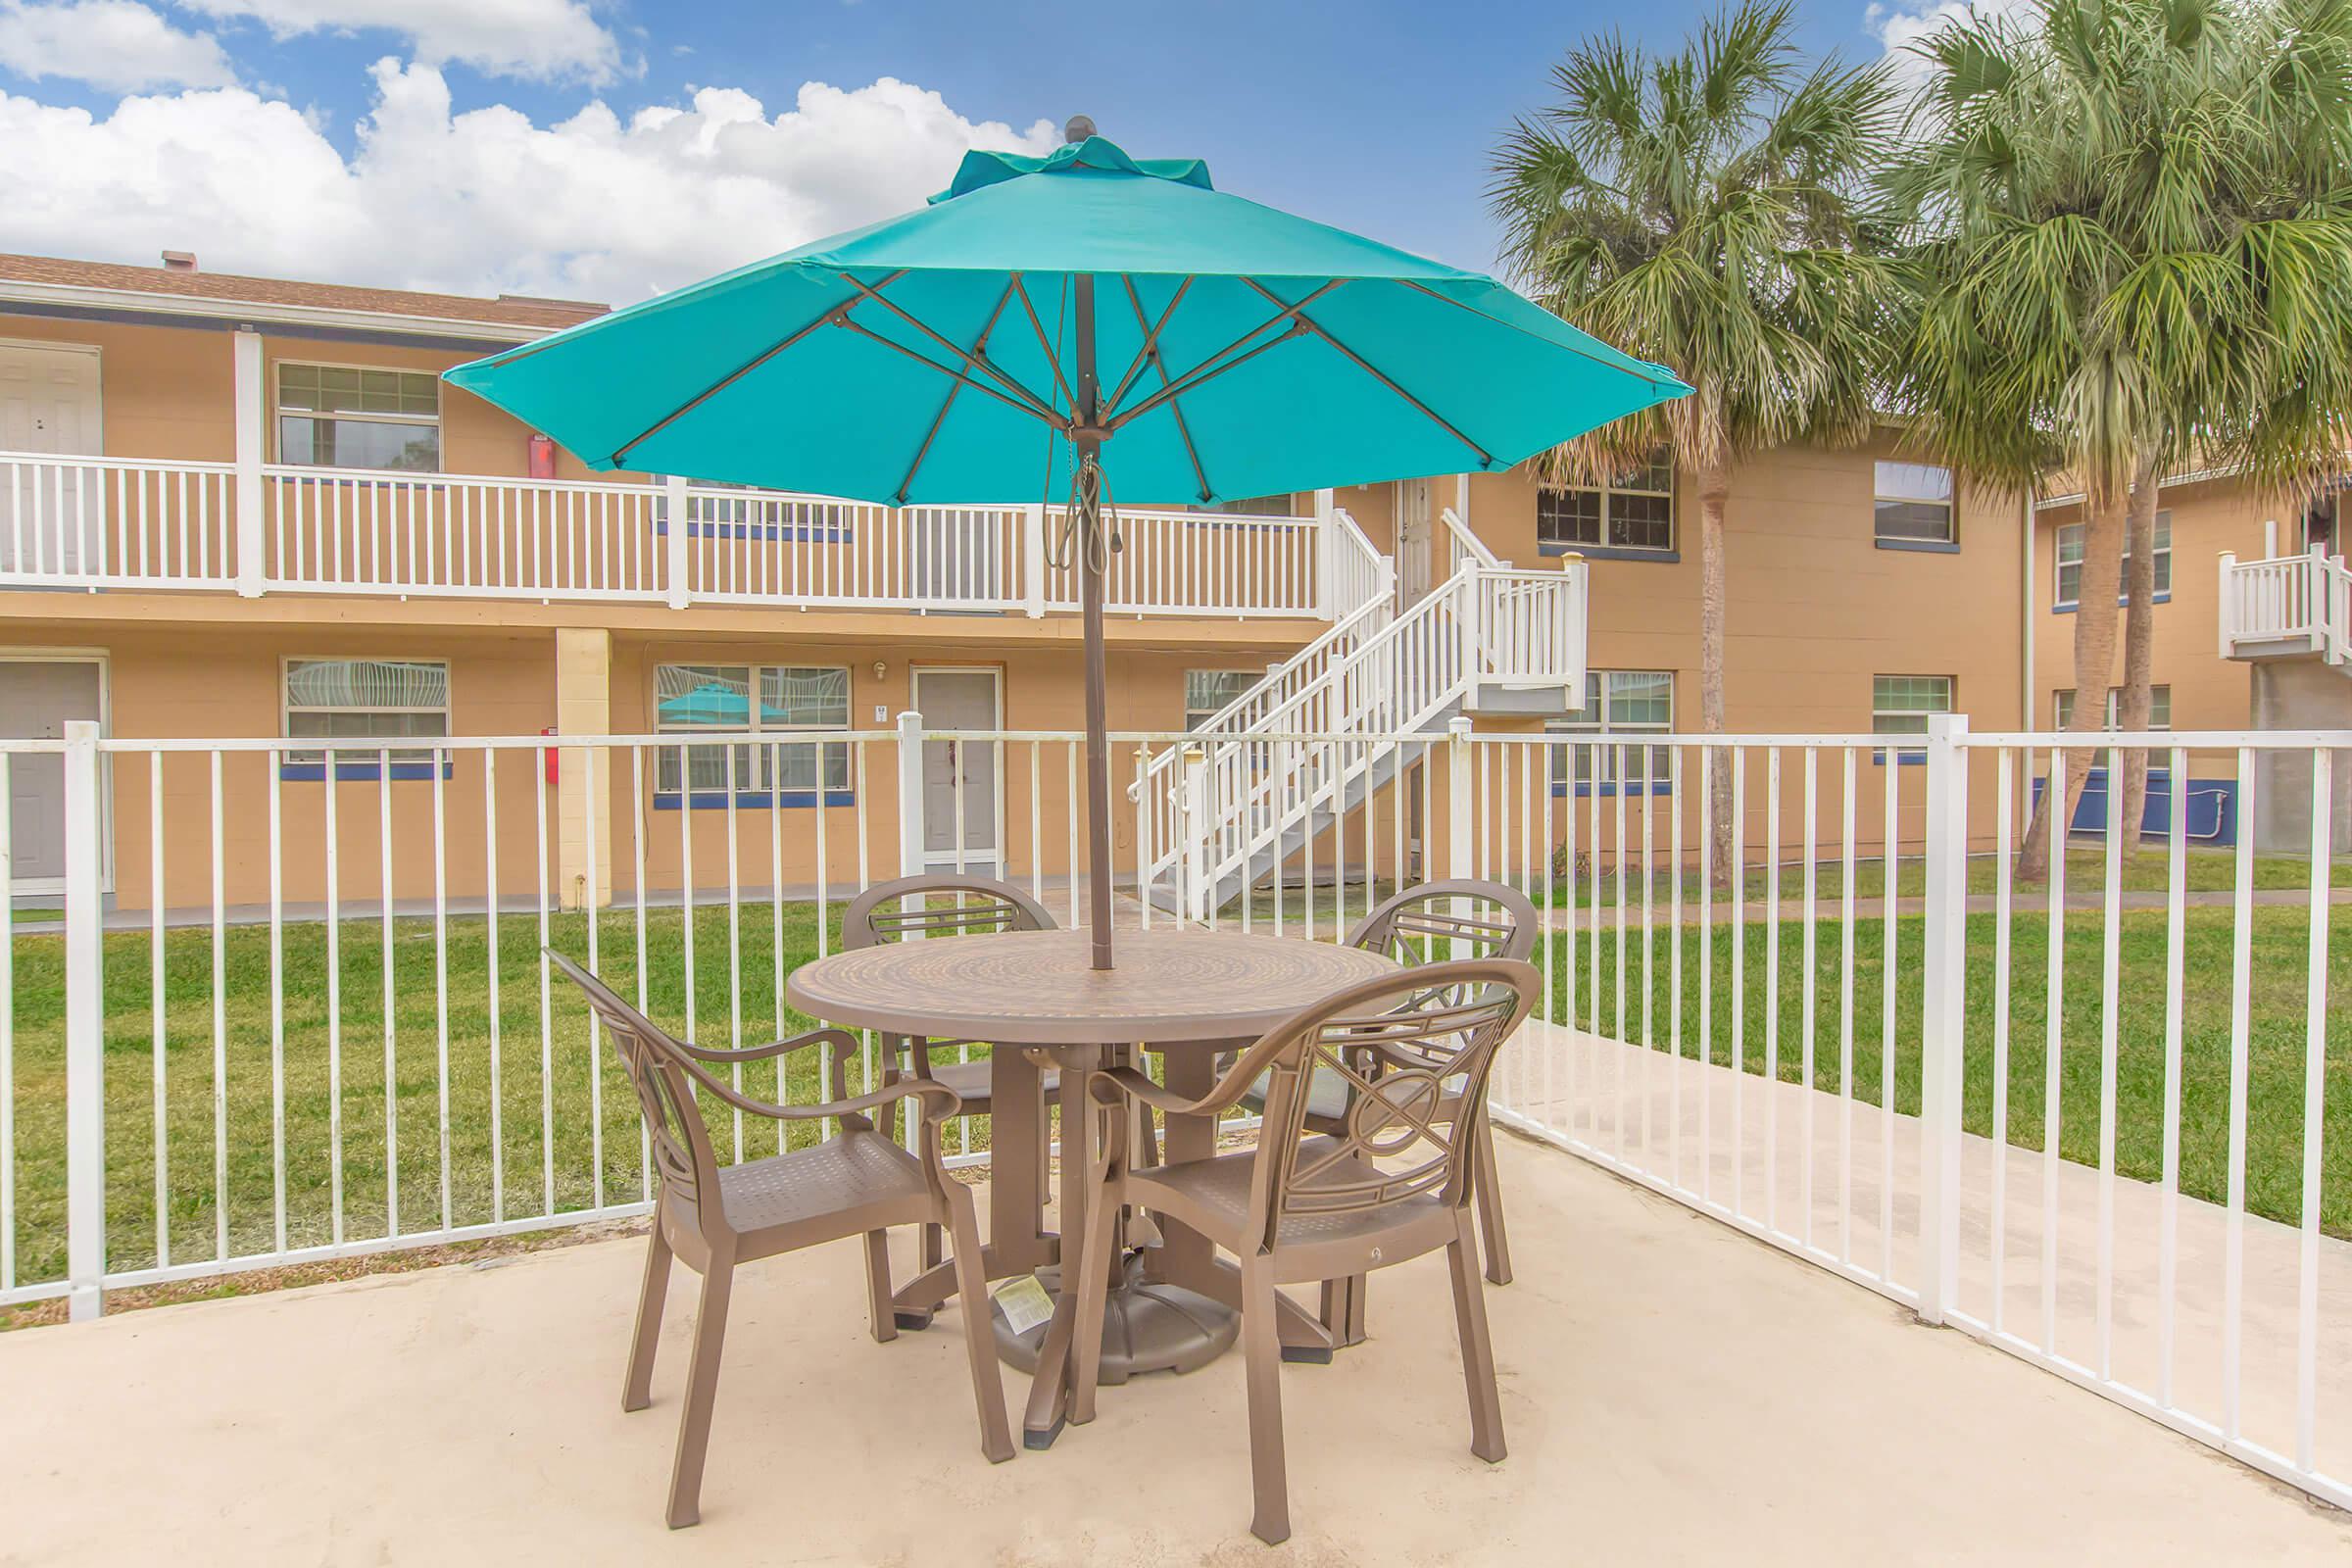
(310, 1018)
(91, 522)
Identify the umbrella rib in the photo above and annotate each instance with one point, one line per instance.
(1046, 416)
(622, 452)
(1194, 379)
(954, 387)
(1486, 459)
(1038, 405)
(1151, 334)
(1053, 359)
(1150, 352)
(1513, 326)
(1210, 368)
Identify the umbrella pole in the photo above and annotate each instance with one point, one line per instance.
(1092, 549)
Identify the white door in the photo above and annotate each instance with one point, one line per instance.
(1413, 541)
(37, 698)
(960, 776)
(49, 401)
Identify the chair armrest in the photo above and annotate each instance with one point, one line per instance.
(939, 1103)
(1107, 1084)
(840, 1038)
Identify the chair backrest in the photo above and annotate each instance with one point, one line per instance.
(682, 1142)
(1461, 918)
(890, 911)
(1439, 1026)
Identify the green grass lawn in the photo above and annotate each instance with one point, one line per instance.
(2203, 871)
(549, 1083)
(2276, 1047)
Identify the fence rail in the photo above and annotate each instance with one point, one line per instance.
(94, 523)
(2102, 1120)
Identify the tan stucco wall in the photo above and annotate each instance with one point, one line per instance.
(2209, 692)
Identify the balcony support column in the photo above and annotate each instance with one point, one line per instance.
(249, 405)
(584, 836)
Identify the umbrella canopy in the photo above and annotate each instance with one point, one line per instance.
(1075, 323)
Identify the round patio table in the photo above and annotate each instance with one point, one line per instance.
(1186, 994)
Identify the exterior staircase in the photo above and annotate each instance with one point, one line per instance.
(1289, 758)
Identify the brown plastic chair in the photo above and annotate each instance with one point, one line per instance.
(1461, 918)
(856, 1183)
(981, 905)
(1392, 1184)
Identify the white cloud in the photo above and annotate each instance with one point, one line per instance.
(118, 45)
(593, 207)
(1902, 25)
(546, 39)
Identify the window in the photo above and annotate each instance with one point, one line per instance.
(1207, 690)
(1900, 705)
(2159, 707)
(1254, 506)
(360, 700)
(1617, 702)
(2069, 562)
(793, 702)
(1633, 511)
(1913, 504)
(344, 416)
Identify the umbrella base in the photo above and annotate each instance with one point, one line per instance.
(1147, 1327)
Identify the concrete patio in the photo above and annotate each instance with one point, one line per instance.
(1673, 1392)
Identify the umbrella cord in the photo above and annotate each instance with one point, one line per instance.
(1062, 553)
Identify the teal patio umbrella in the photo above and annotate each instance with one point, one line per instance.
(1087, 325)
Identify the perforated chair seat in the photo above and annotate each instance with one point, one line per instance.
(1220, 1186)
(838, 1176)
(970, 1081)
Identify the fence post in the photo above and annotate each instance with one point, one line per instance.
(1944, 989)
(1326, 559)
(1196, 833)
(1466, 615)
(1033, 561)
(674, 537)
(248, 404)
(2225, 623)
(86, 1029)
(910, 793)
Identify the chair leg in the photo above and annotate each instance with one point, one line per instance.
(1342, 1311)
(1478, 1352)
(637, 1384)
(878, 1287)
(979, 1336)
(1489, 1193)
(1094, 1296)
(701, 1395)
(1261, 1351)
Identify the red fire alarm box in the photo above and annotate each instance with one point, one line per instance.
(543, 456)
(551, 752)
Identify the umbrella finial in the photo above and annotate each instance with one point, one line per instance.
(1080, 128)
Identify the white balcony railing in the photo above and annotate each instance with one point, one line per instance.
(93, 522)
(2285, 604)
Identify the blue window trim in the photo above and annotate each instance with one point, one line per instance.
(1610, 553)
(754, 800)
(1924, 547)
(353, 772)
(1904, 756)
(797, 533)
(2073, 604)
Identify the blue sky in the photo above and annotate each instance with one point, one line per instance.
(612, 148)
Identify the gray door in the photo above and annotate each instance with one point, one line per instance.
(959, 700)
(37, 698)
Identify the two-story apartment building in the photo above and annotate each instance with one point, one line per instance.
(248, 508)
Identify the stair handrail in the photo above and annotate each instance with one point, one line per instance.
(1465, 545)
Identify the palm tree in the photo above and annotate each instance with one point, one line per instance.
(1708, 210)
(2135, 228)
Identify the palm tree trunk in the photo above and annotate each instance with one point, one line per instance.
(2135, 702)
(1714, 489)
(2094, 664)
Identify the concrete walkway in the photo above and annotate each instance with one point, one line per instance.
(1673, 1392)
